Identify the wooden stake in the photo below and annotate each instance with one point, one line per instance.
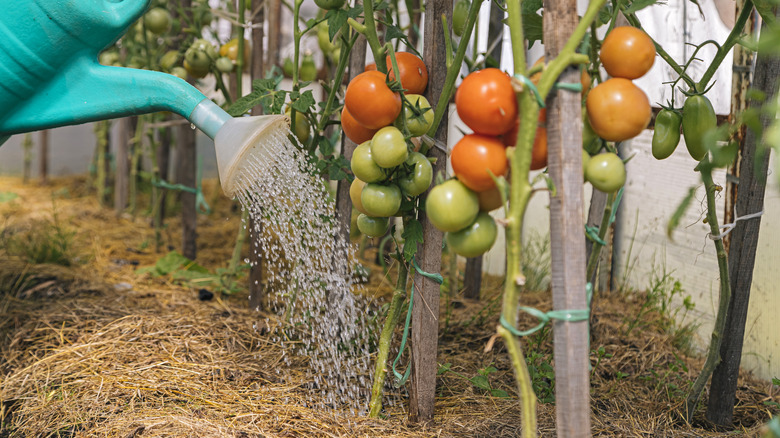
(43, 160)
(425, 312)
(564, 130)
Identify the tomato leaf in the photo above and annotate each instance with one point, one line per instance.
(637, 5)
(480, 382)
(303, 102)
(413, 235)
(336, 19)
(532, 27)
(674, 221)
(766, 8)
(394, 32)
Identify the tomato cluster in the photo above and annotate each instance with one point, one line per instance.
(617, 109)
(387, 169)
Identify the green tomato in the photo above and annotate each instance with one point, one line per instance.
(372, 226)
(698, 118)
(417, 175)
(287, 67)
(169, 60)
(363, 165)
(451, 206)
(330, 4)
(419, 117)
(205, 46)
(585, 161)
(323, 39)
(460, 14)
(590, 141)
(157, 20)
(381, 200)
(302, 125)
(355, 190)
(606, 172)
(388, 147)
(308, 70)
(179, 72)
(666, 134)
(476, 239)
(224, 64)
(109, 57)
(197, 59)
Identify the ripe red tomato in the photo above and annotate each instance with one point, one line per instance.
(486, 102)
(414, 75)
(627, 52)
(618, 110)
(475, 157)
(369, 100)
(354, 130)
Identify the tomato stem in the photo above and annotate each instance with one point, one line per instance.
(724, 49)
(340, 69)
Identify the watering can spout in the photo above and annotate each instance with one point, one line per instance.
(87, 91)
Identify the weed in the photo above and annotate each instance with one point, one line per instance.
(540, 367)
(665, 378)
(46, 241)
(536, 263)
(480, 380)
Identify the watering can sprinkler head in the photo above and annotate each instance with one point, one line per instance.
(50, 77)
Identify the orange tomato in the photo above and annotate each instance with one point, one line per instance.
(584, 76)
(627, 52)
(354, 130)
(475, 157)
(490, 199)
(370, 102)
(486, 102)
(539, 154)
(414, 75)
(618, 110)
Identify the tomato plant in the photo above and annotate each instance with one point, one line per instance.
(364, 166)
(302, 126)
(417, 175)
(486, 102)
(451, 206)
(370, 101)
(476, 239)
(388, 147)
(627, 52)
(606, 172)
(354, 130)
(413, 73)
(477, 159)
(698, 117)
(381, 200)
(618, 110)
(539, 152)
(666, 133)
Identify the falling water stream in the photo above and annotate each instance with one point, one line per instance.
(309, 274)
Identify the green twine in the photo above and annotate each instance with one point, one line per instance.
(400, 379)
(200, 200)
(558, 85)
(575, 315)
(592, 233)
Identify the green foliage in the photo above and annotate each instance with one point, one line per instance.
(7, 197)
(46, 241)
(540, 368)
(536, 263)
(180, 269)
(481, 380)
(674, 221)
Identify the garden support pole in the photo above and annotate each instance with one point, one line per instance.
(752, 174)
(257, 71)
(425, 312)
(43, 160)
(122, 174)
(186, 157)
(564, 128)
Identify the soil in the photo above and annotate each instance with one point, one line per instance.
(97, 348)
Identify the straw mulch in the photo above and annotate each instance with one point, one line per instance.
(97, 350)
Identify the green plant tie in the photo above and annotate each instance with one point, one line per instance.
(200, 200)
(592, 233)
(568, 86)
(400, 379)
(575, 315)
(531, 86)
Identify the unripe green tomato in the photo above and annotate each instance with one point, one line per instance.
(666, 134)
(697, 119)
(330, 4)
(381, 200)
(169, 59)
(199, 72)
(418, 178)
(179, 72)
(363, 165)
(451, 206)
(585, 161)
(302, 126)
(372, 226)
(388, 147)
(308, 70)
(460, 14)
(606, 172)
(157, 20)
(224, 64)
(287, 67)
(355, 190)
(354, 231)
(205, 46)
(476, 239)
(109, 57)
(197, 58)
(419, 123)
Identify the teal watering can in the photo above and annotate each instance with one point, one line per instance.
(50, 77)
